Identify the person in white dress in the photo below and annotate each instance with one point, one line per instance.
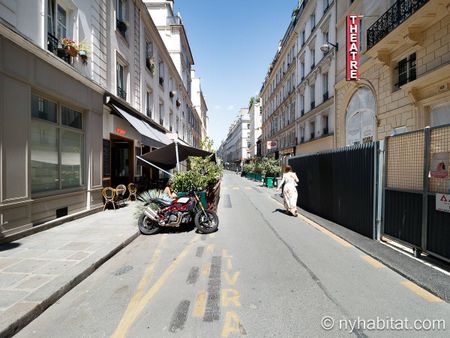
(290, 194)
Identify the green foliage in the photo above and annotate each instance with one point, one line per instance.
(258, 167)
(270, 167)
(144, 199)
(207, 144)
(249, 167)
(202, 173)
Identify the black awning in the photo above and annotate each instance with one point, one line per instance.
(166, 157)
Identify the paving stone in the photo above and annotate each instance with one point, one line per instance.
(80, 255)
(9, 279)
(57, 254)
(14, 312)
(76, 246)
(55, 267)
(26, 266)
(34, 282)
(5, 261)
(10, 297)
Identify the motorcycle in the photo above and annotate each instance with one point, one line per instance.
(174, 213)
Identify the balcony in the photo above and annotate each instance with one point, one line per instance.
(404, 23)
(121, 93)
(325, 96)
(122, 27)
(54, 47)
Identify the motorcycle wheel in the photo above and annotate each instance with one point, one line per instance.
(147, 226)
(206, 223)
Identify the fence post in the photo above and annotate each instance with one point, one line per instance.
(385, 185)
(426, 170)
(380, 188)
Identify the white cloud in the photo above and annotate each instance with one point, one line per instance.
(217, 107)
(230, 107)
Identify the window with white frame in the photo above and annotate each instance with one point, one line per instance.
(161, 113)
(58, 20)
(312, 92)
(121, 79)
(312, 129)
(313, 57)
(325, 86)
(149, 103)
(57, 146)
(313, 21)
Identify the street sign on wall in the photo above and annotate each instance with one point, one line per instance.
(272, 145)
(352, 50)
(443, 202)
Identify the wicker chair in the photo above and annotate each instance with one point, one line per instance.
(121, 190)
(132, 191)
(109, 194)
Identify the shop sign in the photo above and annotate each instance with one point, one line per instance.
(120, 131)
(443, 202)
(272, 145)
(352, 47)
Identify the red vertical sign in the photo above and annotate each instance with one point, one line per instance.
(352, 47)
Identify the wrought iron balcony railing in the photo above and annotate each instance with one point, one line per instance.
(391, 19)
(121, 93)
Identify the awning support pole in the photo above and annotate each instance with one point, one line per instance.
(176, 153)
(153, 165)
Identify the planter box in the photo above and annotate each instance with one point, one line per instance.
(269, 182)
(201, 195)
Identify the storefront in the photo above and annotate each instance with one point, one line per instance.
(127, 133)
(51, 152)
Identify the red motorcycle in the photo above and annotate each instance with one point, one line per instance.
(174, 213)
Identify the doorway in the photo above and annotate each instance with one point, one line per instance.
(122, 159)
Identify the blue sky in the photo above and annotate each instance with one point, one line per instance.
(233, 42)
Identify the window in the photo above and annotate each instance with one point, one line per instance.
(325, 124)
(121, 16)
(56, 146)
(149, 63)
(149, 103)
(302, 105)
(326, 3)
(61, 23)
(313, 58)
(406, 71)
(161, 73)
(360, 120)
(303, 37)
(313, 21)
(302, 70)
(312, 129)
(171, 121)
(312, 96)
(161, 113)
(325, 86)
(121, 81)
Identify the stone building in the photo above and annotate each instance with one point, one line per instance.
(254, 112)
(404, 71)
(84, 86)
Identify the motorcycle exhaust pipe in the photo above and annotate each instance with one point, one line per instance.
(150, 213)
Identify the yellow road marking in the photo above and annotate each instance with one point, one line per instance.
(376, 264)
(232, 324)
(131, 315)
(200, 304)
(231, 280)
(229, 263)
(230, 296)
(206, 269)
(212, 235)
(147, 274)
(421, 292)
(210, 248)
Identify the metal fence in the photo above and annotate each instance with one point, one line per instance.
(411, 184)
(339, 186)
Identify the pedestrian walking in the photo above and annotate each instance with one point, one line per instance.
(290, 195)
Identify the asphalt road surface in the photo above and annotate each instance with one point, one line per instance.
(263, 274)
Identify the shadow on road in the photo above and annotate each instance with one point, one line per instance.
(282, 211)
(8, 246)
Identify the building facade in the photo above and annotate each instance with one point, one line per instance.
(404, 73)
(234, 150)
(84, 88)
(298, 91)
(255, 114)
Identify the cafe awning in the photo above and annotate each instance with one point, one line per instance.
(150, 136)
(166, 157)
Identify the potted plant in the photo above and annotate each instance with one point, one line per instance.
(271, 169)
(150, 63)
(122, 26)
(83, 49)
(70, 46)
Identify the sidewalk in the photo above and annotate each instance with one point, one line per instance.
(423, 272)
(36, 271)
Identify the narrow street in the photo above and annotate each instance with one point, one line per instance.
(263, 274)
